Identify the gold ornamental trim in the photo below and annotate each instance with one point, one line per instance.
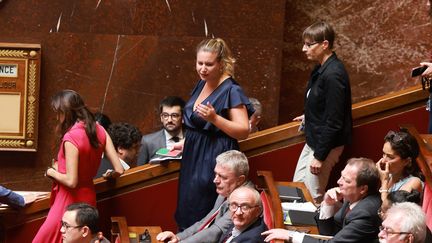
(31, 115)
(12, 53)
(19, 91)
(11, 143)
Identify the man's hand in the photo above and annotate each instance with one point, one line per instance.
(302, 122)
(167, 235)
(332, 196)
(315, 167)
(277, 234)
(29, 198)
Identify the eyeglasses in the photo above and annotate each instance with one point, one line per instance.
(309, 45)
(243, 208)
(389, 231)
(174, 116)
(67, 226)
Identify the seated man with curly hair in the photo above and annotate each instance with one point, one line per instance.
(126, 139)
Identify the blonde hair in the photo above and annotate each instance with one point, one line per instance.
(224, 55)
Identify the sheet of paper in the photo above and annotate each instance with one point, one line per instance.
(306, 206)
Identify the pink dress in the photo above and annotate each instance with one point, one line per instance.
(62, 196)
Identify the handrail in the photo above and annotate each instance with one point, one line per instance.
(142, 175)
(137, 175)
(288, 134)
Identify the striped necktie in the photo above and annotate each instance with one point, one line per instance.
(211, 219)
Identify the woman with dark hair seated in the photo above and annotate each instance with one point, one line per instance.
(398, 168)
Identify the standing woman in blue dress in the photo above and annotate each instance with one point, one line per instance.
(215, 117)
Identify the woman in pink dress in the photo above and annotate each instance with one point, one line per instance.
(82, 142)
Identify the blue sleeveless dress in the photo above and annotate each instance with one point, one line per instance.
(203, 143)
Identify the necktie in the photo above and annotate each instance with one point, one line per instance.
(209, 221)
(175, 139)
(348, 209)
(227, 237)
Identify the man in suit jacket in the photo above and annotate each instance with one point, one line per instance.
(126, 139)
(171, 113)
(231, 172)
(246, 214)
(79, 224)
(356, 219)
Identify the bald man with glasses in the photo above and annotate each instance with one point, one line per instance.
(246, 214)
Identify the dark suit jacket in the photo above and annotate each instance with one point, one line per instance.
(359, 225)
(328, 120)
(11, 198)
(251, 235)
(150, 143)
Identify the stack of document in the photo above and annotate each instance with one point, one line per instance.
(299, 213)
(305, 206)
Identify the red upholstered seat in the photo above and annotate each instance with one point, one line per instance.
(272, 209)
(267, 210)
(427, 205)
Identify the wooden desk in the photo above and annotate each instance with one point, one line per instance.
(301, 228)
(138, 230)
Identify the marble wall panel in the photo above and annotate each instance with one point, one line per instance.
(379, 42)
(125, 56)
(246, 19)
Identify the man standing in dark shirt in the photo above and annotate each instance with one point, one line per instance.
(327, 118)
